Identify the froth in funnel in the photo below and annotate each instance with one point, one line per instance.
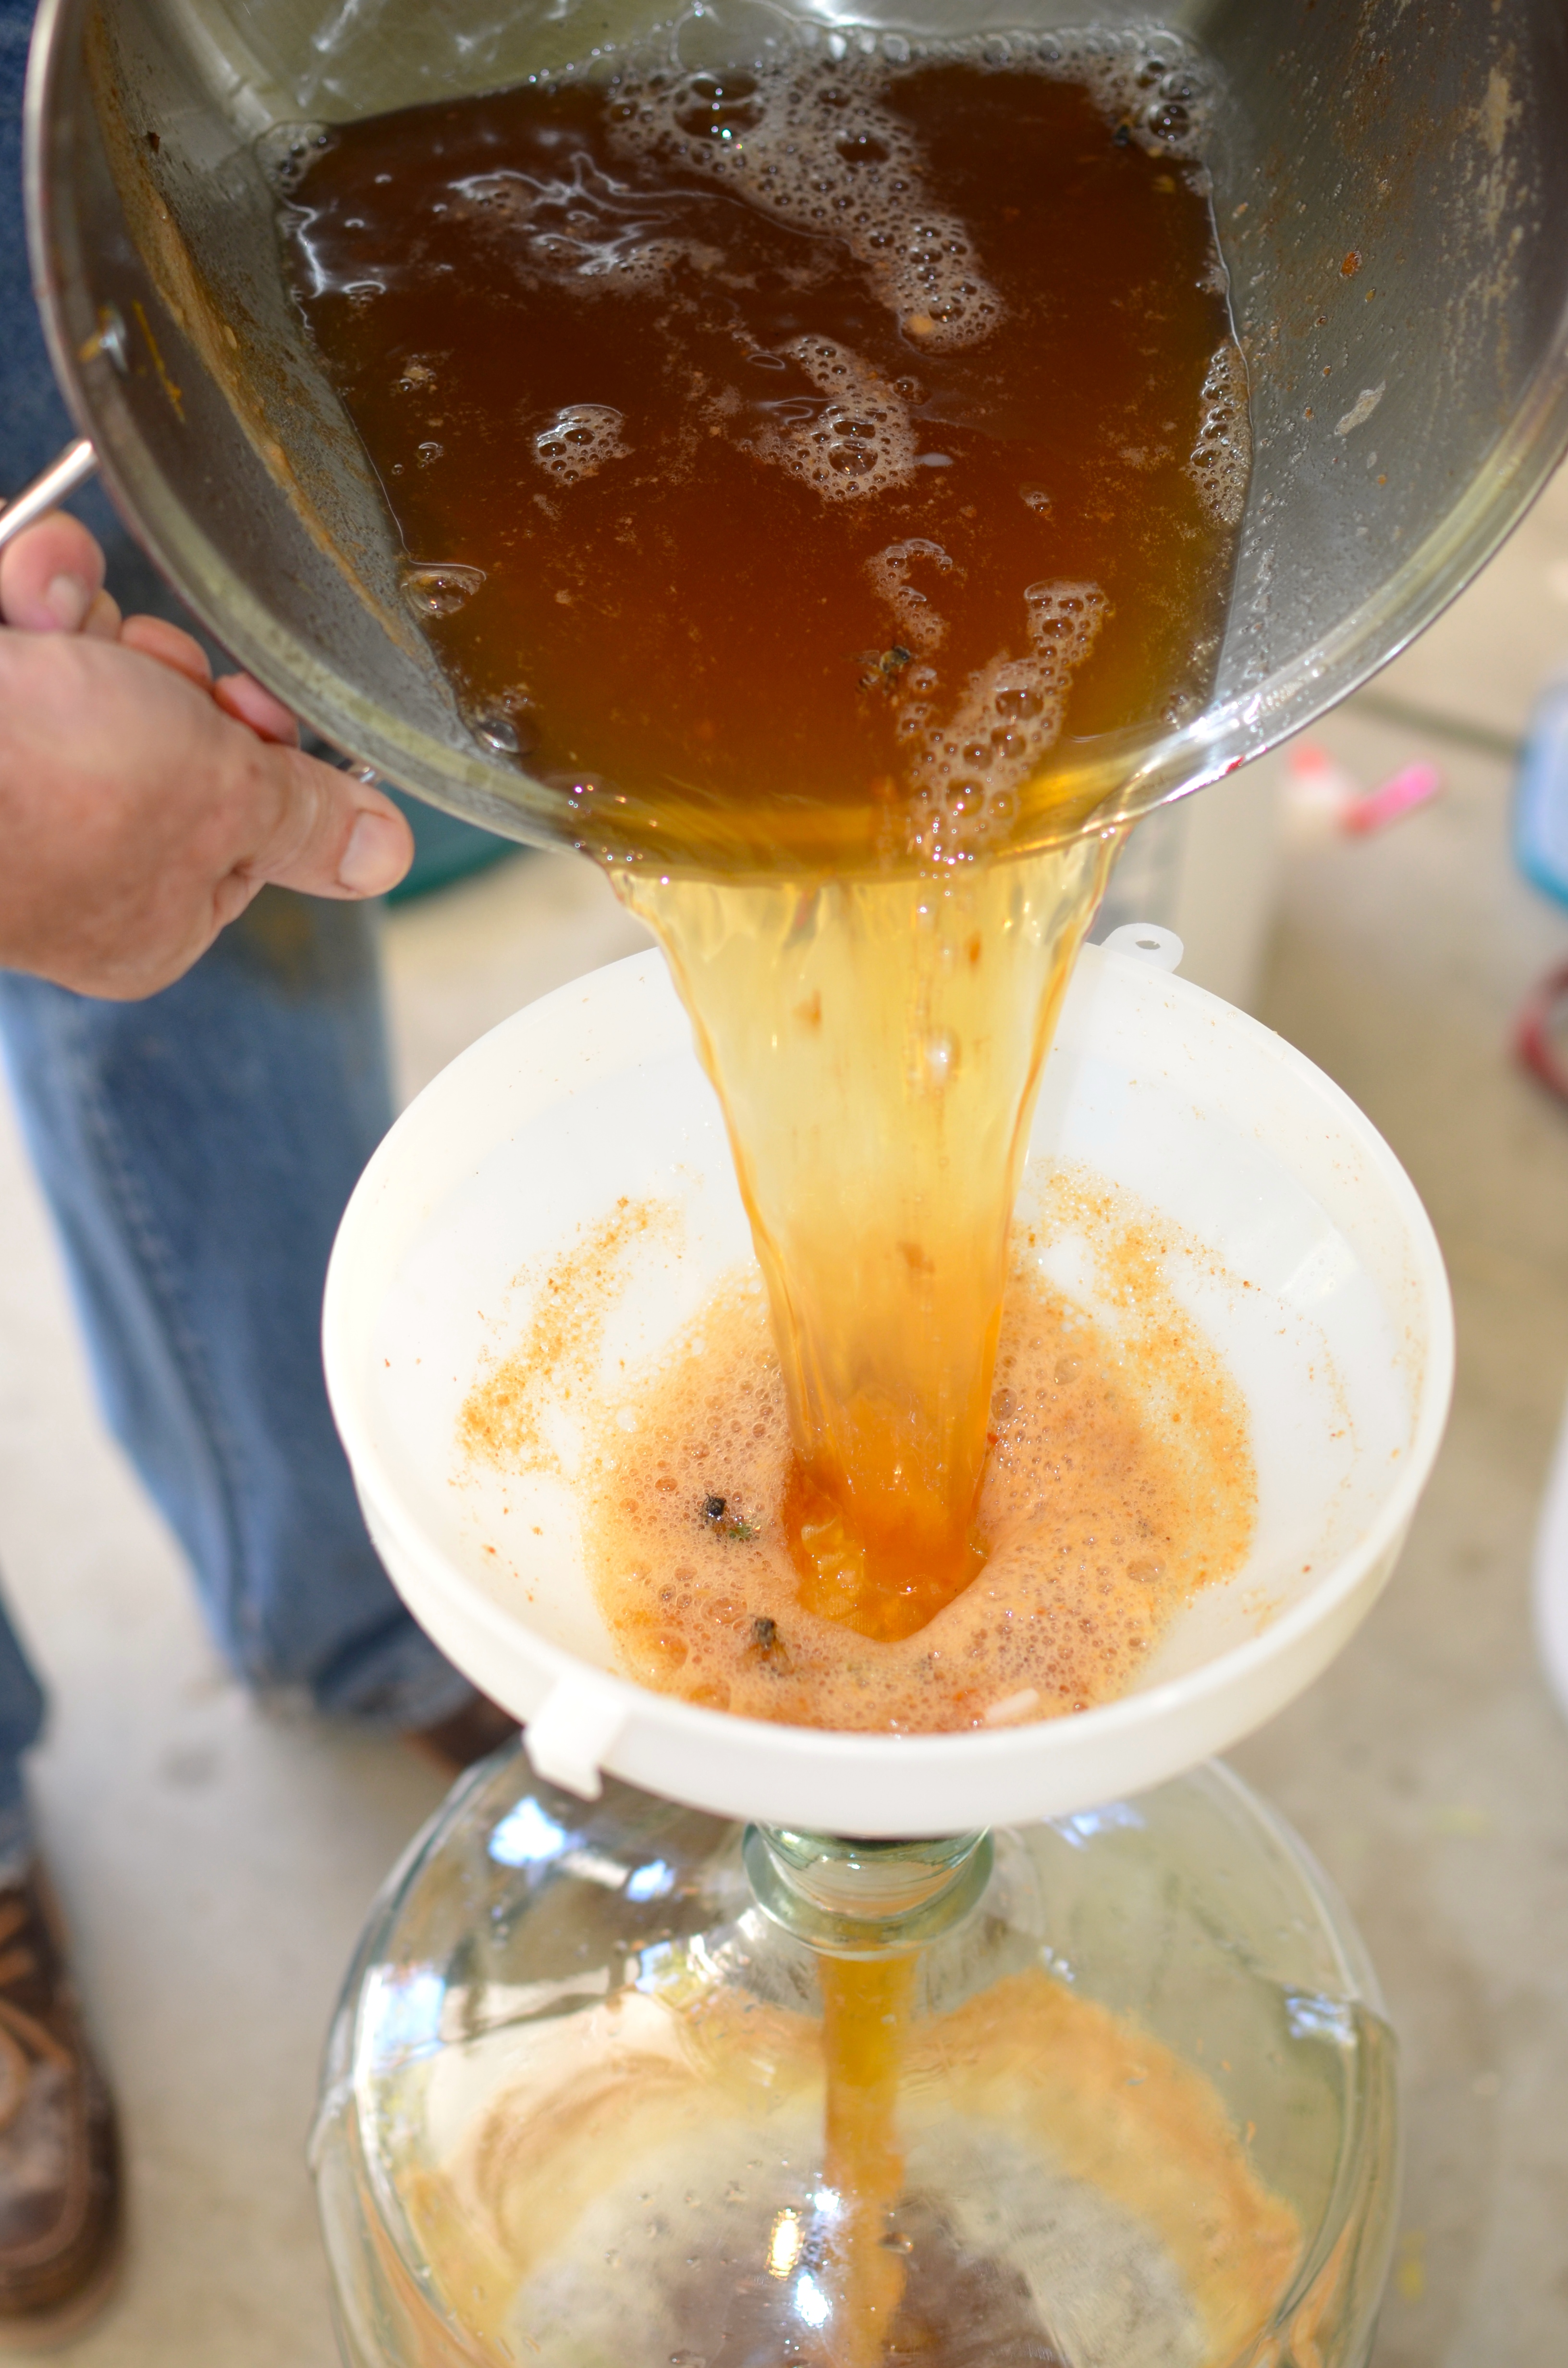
(1121, 1483)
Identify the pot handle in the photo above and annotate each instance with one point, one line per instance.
(74, 466)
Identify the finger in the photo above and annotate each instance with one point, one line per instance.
(331, 836)
(154, 637)
(103, 619)
(239, 696)
(51, 576)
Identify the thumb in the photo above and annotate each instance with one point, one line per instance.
(51, 576)
(331, 834)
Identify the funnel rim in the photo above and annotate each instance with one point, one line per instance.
(1284, 1639)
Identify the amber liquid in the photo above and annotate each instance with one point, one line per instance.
(865, 2010)
(662, 361)
(804, 473)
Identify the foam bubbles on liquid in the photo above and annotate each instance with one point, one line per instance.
(1150, 84)
(584, 228)
(439, 588)
(860, 441)
(286, 152)
(818, 147)
(1222, 457)
(1006, 722)
(816, 141)
(580, 438)
(1121, 1482)
(919, 622)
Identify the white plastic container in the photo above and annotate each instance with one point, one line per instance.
(1323, 1291)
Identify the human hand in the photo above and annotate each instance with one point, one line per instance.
(143, 804)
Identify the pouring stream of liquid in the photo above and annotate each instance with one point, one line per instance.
(877, 1047)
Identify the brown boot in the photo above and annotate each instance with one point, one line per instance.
(59, 2159)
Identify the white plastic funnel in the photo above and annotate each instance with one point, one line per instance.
(1343, 1344)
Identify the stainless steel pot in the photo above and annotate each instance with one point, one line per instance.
(1391, 195)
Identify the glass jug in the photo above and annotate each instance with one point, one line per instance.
(573, 2109)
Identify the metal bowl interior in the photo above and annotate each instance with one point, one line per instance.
(1386, 181)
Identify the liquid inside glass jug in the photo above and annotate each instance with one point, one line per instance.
(574, 2110)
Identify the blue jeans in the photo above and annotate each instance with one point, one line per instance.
(197, 1150)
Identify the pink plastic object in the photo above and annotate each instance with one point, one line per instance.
(1417, 785)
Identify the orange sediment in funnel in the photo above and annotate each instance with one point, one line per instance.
(1117, 1483)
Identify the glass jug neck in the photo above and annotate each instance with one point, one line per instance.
(865, 1898)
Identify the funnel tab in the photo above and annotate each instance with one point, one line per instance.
(1145, 941)
(574, 1734)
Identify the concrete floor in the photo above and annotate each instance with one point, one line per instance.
(217, 1864)
(1429, 1769)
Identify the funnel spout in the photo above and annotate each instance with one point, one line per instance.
(849, 1899)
